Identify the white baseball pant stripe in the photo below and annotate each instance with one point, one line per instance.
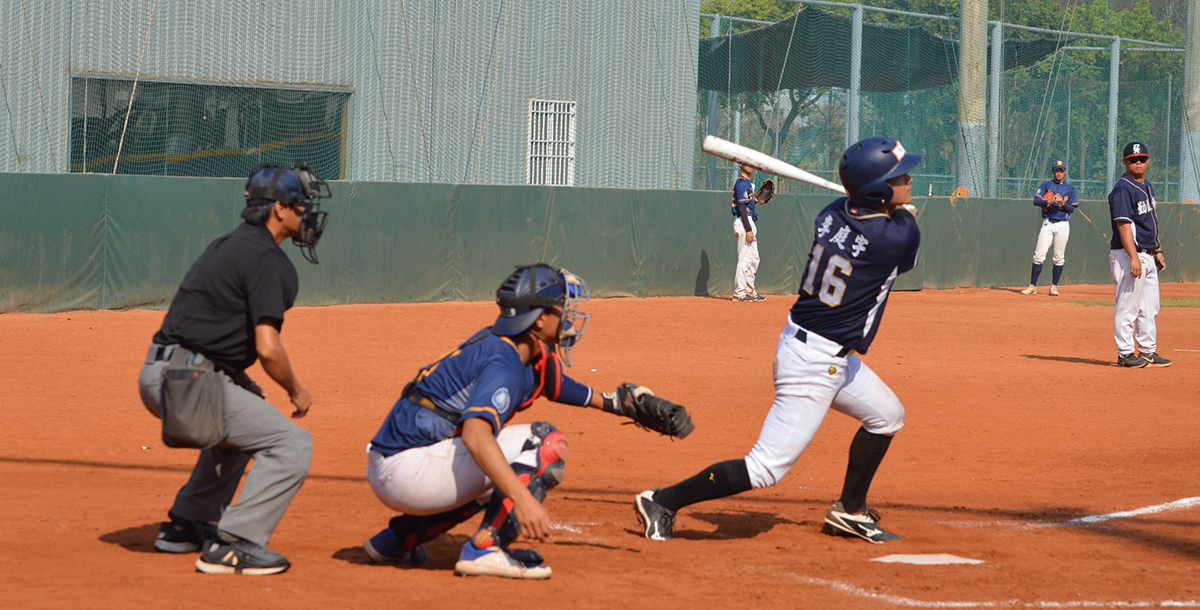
(1056, 233)
(436, 478)
(809, 379)
(1137, 303)
(747, 263)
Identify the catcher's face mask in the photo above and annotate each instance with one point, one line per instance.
(574, 322)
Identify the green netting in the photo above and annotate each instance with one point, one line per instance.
(783, 88)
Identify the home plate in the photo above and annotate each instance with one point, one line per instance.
(935, 559)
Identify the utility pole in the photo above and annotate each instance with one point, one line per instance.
(971, 143)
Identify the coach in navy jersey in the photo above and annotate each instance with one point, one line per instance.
(1135, 259)
(860, 245)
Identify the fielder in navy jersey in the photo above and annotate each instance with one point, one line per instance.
(1057, 200)
(860, 245)
(745, 230)
(1135, 259)
(444, 453)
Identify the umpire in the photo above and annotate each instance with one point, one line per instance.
(228, 313)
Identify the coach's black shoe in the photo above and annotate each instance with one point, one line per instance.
(230, 554)
(659, 522)
(1153, 359)
(1132, 361)
(838, 522)
(182, 536)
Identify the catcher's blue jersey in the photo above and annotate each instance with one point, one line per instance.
(856, 255)
(484, 378)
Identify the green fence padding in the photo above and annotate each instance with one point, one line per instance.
(73, 241)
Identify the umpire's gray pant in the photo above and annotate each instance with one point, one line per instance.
(281, 451)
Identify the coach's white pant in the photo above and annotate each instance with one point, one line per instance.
(809, 379)
(1055, 233)
(747, 263)
(1137, 303)
(434, 479)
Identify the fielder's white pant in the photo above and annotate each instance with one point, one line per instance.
(1137, 302)
(747, 263)
(809, 379)
(1056, 233)
(434, 479)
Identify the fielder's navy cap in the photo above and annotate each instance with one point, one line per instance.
(1135, 149)
(1058, 164)
(287, 188)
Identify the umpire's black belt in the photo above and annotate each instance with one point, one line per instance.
(802, 336)
(412, 395)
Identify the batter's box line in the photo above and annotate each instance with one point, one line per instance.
(1181, 504)
(908, 602)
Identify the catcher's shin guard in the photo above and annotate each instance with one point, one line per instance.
(412, 530)
(549, 446)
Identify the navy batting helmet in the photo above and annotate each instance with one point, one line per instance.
(531, 289)
(867, 166)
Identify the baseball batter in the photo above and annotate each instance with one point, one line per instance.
(861, 243)
(444, 452)
(1135, 259)
(744, 228)
(1057, 200)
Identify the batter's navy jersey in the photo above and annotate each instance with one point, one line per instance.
(743, 192)
(856, 255)
(481, 378)
(1070, 200)
(1133, 202)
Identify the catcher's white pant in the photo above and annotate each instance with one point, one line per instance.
(434, 479)
(747, 263)
(809, 379)
(1056, 233)
(1137, 302)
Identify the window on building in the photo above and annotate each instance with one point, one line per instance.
(182, 128)
(552, 142)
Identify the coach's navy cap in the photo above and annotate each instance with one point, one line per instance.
(1135, 149)
(1058, 164)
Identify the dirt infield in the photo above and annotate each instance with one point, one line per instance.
(1018, 423)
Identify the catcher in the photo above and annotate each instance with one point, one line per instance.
(444, 453)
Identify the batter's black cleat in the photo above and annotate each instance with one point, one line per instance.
(230, 554)
(1132, 361)
(1154, 360)
(659, 522)
(838, 522)
(182, 536)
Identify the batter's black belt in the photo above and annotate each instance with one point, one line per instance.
(802, 335)
(412, 395)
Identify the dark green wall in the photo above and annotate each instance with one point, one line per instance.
(71, 241)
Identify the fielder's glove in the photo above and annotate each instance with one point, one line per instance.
(765, 192)
(649, 411)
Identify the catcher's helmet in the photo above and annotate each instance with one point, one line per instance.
(531, 289)
(867, 166)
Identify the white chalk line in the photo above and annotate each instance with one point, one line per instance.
(1088, 520)
(909, 602)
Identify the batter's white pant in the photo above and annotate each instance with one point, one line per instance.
(1137, 303)
(281, 450)
(1056, 233)
(809, 379)
(747, 264)
(434, 479)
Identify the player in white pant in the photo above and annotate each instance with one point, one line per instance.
(861, 243)
(1135, 260)
(746, 232)
(1057, 201)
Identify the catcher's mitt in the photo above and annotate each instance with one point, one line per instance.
(649, 411)
(765, 192)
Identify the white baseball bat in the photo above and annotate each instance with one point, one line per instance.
(740, 154)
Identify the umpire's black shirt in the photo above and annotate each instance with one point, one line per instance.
(240, 278)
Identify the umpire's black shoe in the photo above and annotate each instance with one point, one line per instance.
(838, 522)
(182, 536)
(1132, 361)
(230, 554)
(1152, 359)
(658, 521)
